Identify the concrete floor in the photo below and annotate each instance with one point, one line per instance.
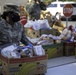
(62, 66)
(69, 69)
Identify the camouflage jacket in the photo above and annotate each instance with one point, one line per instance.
(11, 34)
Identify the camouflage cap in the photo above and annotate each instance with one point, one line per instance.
(14, 8)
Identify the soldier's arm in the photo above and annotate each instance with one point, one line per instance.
(24, 39)
(1, 28)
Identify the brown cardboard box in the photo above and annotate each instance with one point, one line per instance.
(24, 66)
(69, 48)
(0, 67)
(59, 26)
(45, 15)
(49, 31)
(32, 33)
(54, 50)
(75, 49)
(0, 70)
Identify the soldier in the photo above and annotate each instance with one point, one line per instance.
(11, 30)
(36, 10)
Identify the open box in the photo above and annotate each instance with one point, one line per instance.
(24, 66)
(54, 50)
(69, 48)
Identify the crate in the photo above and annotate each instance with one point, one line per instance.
(54, 50)
(69, 48)
(32, 33)
(24, 66)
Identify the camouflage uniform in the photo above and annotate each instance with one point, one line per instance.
(11, 34)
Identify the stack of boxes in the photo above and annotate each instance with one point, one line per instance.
(54, 50)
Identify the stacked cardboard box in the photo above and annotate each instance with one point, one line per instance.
(24, 66)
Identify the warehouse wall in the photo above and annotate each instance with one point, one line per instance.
(18, 2)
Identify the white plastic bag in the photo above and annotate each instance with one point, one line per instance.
(44, 24)
(7, 51)
(38, 24)
(38, 50)
(29, 24)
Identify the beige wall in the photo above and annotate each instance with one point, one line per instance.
(18, 2)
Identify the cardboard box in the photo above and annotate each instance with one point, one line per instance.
(59, 26)
(32, 33)
(69, 48)
(0, 67)
(37, 33)
(24, 66)
(49, 31)
(0, 70)
(75, 49)
(0, 62)
(54, 50)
